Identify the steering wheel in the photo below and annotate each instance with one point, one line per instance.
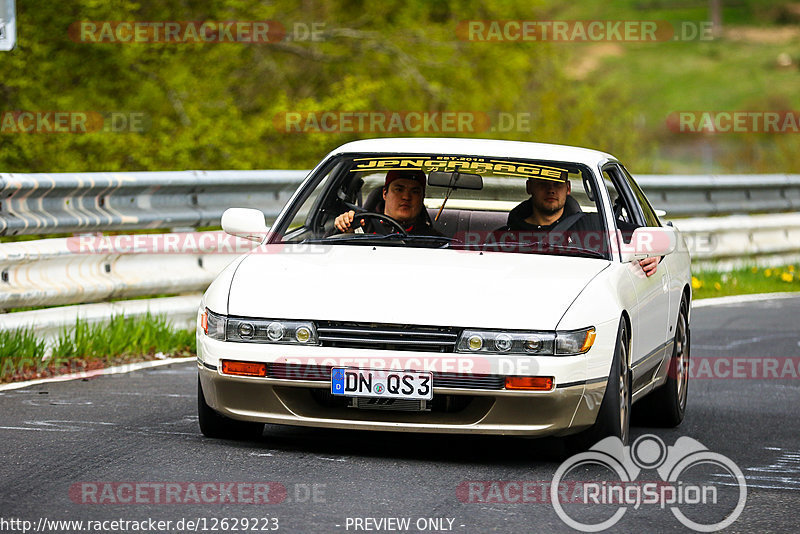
(384, 220)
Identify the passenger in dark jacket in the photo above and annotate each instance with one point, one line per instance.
(545, 212)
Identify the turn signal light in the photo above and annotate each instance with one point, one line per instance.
(589, 341)
(533, 383)
(244, 368)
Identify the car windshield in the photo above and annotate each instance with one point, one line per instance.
(447, 201)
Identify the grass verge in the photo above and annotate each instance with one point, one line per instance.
(85, 347)
(750, 280)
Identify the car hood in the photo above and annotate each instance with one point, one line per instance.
(399, 285)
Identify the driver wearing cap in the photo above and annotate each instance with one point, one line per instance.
(403, 192)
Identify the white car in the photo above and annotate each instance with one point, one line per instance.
(472, 328)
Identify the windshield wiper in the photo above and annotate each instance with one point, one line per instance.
(531, 246)
(435, 238)
(370, 238)
(579, 250)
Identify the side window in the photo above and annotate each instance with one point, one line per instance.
(650, 217)
(301, 223)
(620, 206)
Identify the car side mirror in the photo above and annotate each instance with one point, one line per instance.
(649, 241)
(245, 222)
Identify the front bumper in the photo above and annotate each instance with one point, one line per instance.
(568, 408)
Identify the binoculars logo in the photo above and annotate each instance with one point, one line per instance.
(677, 467)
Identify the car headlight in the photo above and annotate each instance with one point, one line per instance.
(247, 330)
(562, 343)
(506, 342)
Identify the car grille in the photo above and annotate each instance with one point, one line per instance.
(442, 380)
(439, 403)
(395, 405)
(468, 381)
(287, 371)
(387, 336)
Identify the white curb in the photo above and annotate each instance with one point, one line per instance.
(119, 369)
(737, 299)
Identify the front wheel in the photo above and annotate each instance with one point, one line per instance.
(214, 425)
(614, 415)
(666, 406)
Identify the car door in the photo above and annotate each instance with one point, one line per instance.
(651, 330)
(652, 219)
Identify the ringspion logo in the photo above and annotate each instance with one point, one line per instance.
(684, 487)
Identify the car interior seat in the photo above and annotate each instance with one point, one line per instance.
(374, 201)
(571, 206)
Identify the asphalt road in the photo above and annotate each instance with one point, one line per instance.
(66, 444)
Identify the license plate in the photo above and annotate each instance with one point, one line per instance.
(379, 383)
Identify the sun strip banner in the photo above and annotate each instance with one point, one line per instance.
(475, 165)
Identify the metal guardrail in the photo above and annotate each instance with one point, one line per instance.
(51, 272)
(83, 202)
(725, 243)
(54, 272)
(79, 273)
(704, 195)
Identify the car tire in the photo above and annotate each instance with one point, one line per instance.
(666, 406)
(214, 425)
(614, 415)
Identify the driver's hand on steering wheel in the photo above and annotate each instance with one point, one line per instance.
(343, 222)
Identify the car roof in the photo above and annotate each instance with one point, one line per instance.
(476, 147)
